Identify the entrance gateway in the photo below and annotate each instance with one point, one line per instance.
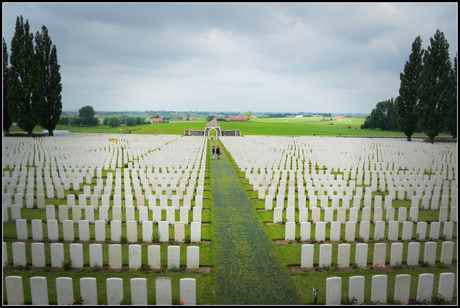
(210, 126)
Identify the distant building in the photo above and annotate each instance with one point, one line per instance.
(299, 116)
(253, 117)
(317, 115)
(237, 119)
(192, 118)
(156, 120)
(338, 118)
(96, 116)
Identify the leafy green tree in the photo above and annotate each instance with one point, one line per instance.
(75, 121)
(130, 121)
(105, 121)
(86, 114)
(50, 76)
(139, 120)
(64, 120)
(209, 118)
(408, 99)
(25, 105)
(114, 122)
(436, 87)
(7, 120)
(248, 113)
(383, 116)
(453, 109)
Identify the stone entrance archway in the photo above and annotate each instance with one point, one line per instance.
(212, 126)
(207, 131)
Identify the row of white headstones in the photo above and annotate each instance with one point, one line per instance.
(379, 286)
(138, 287)
(96, 255)
(88, 291)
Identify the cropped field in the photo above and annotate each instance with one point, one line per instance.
(267, 126)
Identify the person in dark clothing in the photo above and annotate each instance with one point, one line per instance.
(218, 152)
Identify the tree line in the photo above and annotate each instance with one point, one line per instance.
(427, 98)
(31, 81)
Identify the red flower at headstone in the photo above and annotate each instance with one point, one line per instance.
(181, 302)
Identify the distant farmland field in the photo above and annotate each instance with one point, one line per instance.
(267, 126)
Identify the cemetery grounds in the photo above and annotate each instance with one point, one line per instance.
(216, 275)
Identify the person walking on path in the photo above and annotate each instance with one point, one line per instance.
(213, 152)
(218, 152)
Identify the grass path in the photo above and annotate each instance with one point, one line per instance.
(247, 266)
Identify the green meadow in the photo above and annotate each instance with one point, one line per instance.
(265, 126)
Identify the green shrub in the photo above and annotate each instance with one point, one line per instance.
(66, 264)
(96, 268)
(441, 265)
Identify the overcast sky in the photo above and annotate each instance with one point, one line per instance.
(274, 57)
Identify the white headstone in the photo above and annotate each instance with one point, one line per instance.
(14, 290)
(115, 256)
(163, 291)
(350, 227)
(379, 288)
(154, 256)
(325, 255)
(95, 255)
(356, 288)
(83, 230)
(307, 255)
(115, 230)
(413, 253)
(430, 253)
(57, 254)
(446, 285)
(88, 290)
(361, 254)
(343, 256)
(76, 254)
(447, 252)
(37, 230)
(396, 253)
(320, 231)
(333, 291)
(64, 291)
(402, 288)
(114, 291)
(131, 230)
(135, 253)
(193, 257)
(173, 257)
(380, 250)
(39, 290)
(138, 291)
(425, 287)
(188, 291)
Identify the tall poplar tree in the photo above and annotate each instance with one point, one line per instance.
(51, 86)
(7, 121)
(25, 104)
(435, 91)
(408, 99)
(453, 108)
